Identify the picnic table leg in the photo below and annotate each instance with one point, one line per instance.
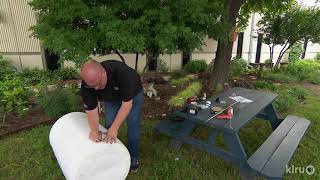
(213, 136)
(272, 116)
(234, 144)
(185, 131)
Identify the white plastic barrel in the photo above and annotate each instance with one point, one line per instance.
(80, 158)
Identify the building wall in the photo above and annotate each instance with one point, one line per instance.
(16, 43)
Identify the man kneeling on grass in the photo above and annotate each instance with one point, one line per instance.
(120, 88)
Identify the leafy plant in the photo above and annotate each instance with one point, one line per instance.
(35, 76)
(295, 52)
(317, 57)
(177, 74)
(238, 67)
(179, 100)
(305, 70)
(163, 67)
(196, 66)
(59, 102)
(6, 69)
(14, 96)
(67, 73)
(279, 76)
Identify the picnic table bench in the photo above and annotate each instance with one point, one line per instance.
(269, 160)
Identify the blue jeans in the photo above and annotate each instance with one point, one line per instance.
(133, 121)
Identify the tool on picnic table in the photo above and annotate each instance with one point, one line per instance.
(236, 99)
(222, 110)
(193, 106)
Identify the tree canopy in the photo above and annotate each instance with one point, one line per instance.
(77, 28)
(289, 27)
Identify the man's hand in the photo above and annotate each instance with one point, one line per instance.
(95, 136)
(111, 135)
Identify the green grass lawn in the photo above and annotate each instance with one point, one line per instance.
(28, 155)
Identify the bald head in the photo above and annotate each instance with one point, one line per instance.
(92, 72)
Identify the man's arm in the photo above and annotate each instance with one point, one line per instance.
(123, 112)
(93, 120)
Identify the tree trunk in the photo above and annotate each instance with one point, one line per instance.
(137, 58)
(282, 52)
(305, 44)
(121, 57)
(151, 56)
(220, 75)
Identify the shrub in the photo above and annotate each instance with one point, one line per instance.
(295, 52)
(59, 102)
(67, 73)
(196, 66)
(177, 74)
(279, 76)
(238, 67)
(14, 96)
(163, 67)
(6, 69)
(36, 76)
(305, 70)
(317, 57)
(265, 85)
(182, 81)
(179, 100)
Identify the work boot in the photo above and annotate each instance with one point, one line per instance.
(134, 165)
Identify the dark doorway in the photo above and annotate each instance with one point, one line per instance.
(152, 59)
(52, 60)
(240, 45)
(186, 57)
(259, 44)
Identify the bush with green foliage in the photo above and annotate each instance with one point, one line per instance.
(163, 67)
(192, 90)
(196, 66)
(177, 74)
(238, 67)
(59, 102)
(317, 57)
(281, 75)
(14, 96)
(67, 73)
(295, 52)
(36, 76)
(6, 69)
(182, 81)
(306, 70)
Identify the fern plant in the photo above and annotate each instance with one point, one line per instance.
(59, 102)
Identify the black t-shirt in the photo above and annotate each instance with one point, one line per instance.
(123, 84)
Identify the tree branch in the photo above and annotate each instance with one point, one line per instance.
(137, 58)
(121, 57)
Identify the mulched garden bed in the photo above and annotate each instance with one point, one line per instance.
(153, 108)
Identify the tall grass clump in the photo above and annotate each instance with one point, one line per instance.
(192, 90)
(182, 81)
